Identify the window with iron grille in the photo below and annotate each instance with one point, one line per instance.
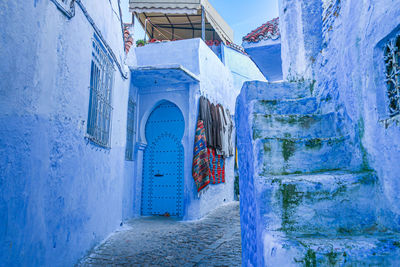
(130, 129)
(392, 57)
(100, 108)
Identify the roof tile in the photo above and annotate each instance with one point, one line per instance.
(269, 30)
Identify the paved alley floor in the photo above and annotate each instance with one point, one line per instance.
(158, 241)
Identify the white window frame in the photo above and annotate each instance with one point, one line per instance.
(100, 99)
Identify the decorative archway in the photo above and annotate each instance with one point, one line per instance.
(163, 162)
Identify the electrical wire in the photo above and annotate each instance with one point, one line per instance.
(98, 32)
(70, 14)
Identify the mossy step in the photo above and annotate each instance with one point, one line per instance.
(294, 126)
(289, 155)
(306, 105)
(256, 90)
(327, 203)
(365, 250)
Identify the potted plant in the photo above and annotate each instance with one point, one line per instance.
(140, 43)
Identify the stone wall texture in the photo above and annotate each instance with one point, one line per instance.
(318, 152)
(349, 75)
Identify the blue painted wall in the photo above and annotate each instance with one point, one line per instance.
(250, 221)
(242, 67)
(268, 59)
(339, 54)
(350, 71)
(348, 68)
(216, 81)
(60, 195)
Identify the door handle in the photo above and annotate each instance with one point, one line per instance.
(159, 175)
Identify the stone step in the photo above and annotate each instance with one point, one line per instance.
(290, 155)
(306, 105)
(294, 126)
(256, 90)
(325, 204)
(365, 250)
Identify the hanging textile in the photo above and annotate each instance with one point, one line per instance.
(217, 166)
(216, 125)
(205, 116)
(229, 141)
(212, 163)
(211, 145)
(221, 129)
(224, 131)
(220, 169)
(200, 168)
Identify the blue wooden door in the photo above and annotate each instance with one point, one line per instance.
(163, 162)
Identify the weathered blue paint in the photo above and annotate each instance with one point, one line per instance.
(59, 194)
(268, 59)
(349, 74)
(200, 72)
(163, 162)
(242, 67)
(339, 205)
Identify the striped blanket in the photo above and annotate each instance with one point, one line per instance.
(217, 166)
(200, 168)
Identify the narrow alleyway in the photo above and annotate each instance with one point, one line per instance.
(152, 241)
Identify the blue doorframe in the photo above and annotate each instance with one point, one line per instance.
(163, 162)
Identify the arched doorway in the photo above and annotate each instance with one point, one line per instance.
(162, 190)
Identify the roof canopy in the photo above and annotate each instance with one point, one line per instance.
(180, 19)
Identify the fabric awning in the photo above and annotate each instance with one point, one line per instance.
(181, 19)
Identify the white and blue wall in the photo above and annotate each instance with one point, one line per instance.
(268, 57)
(242, 66)
(60, 195)
(220, 83)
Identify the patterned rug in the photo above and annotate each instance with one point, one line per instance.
(200, 168)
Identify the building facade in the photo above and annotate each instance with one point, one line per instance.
(316, 151)
(78, 118)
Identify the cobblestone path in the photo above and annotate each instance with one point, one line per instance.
(158, 241)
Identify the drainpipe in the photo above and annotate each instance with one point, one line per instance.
(68, 13)
(203, 24)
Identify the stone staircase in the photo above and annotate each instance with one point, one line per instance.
(312, 201)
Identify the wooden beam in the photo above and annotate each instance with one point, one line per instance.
(191, 24)
(172, 26)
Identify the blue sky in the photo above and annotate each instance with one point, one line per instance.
(242, 16)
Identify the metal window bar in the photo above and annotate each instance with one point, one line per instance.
(130, 130)
(100, 108)
(392, 58)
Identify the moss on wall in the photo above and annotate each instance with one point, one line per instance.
(314, 143)
(332, 257)
(288, 149)
(310, 259)
(364, 153)
(290, 199)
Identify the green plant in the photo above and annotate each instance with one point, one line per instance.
(140, 42)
